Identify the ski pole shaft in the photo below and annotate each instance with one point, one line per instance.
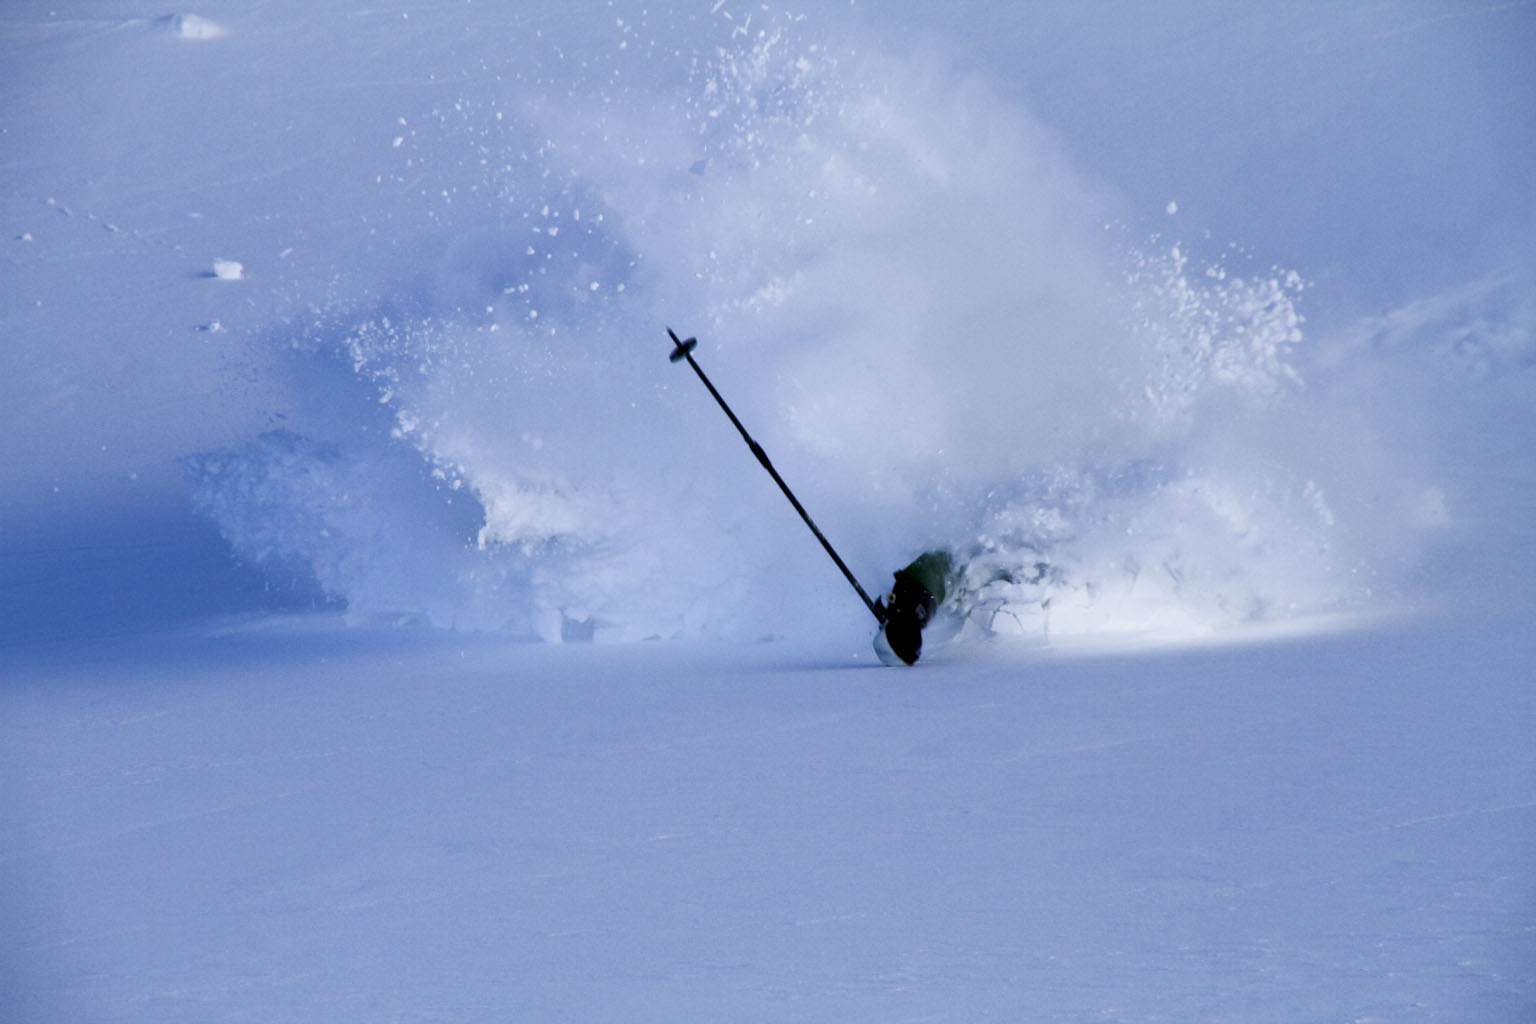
(684, 350)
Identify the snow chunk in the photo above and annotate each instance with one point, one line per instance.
(228, 270)
(189, 26)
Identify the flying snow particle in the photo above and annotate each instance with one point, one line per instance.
(1172, 208)
(228, 270)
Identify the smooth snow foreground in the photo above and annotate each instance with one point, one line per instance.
(294, 822)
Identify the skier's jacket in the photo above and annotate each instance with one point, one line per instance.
(932, 570)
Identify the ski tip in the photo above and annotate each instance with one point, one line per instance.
(683, 347)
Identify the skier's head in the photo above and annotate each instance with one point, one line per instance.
(905, 637)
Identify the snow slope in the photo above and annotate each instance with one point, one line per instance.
(332, 385)
(286, 823)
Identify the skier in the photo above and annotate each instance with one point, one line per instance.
(915, 597)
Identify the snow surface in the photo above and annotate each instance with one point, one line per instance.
(1206, 334)
(288, 822)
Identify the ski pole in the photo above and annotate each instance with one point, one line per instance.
(684, 350)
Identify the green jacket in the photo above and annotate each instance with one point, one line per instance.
(933, 570)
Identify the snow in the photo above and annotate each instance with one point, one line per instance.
(190, 26)
(288, 821)
(395, 634)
